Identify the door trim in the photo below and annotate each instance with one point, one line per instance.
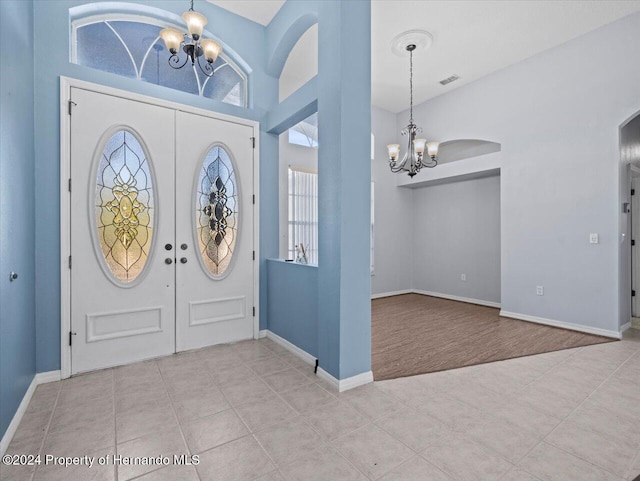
(66, 83)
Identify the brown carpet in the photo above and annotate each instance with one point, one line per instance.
(415, 334)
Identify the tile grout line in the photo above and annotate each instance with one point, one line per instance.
(46, 433)
(175, 415)
(567, 417)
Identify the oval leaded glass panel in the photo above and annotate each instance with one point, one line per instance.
(124, 206)
(217, 211)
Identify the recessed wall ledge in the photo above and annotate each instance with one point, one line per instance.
(458, 160)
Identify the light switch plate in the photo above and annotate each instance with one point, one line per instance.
(594, 239)
(540, 290)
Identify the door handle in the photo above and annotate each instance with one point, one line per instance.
(183, 260)
(168, 260)
(13, 276)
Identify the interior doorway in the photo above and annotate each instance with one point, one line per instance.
(161, 224)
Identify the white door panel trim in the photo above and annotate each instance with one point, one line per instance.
(210, 320)
(66, 84)
(93, 334)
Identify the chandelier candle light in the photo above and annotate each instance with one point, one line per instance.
(413, 159)
(192, 43)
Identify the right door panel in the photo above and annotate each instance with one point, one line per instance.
(214, 231)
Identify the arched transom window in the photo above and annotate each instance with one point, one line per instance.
(130, 45)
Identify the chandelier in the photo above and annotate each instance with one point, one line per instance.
(413, 159)
(192, 44)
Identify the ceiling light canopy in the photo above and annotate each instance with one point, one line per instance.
(193, 45)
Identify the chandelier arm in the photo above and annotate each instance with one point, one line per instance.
(207, 69)
(174, 61)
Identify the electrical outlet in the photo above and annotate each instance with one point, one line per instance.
(540, 290)
(463, 277)
(594, 239)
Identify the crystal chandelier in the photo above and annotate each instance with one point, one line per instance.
(192, 44)
(413, 159)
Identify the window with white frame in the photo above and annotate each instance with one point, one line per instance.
(130, 45)
(303, 214)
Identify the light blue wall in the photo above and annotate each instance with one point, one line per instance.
(344, 111)
(18, 213)
(293, 303)
(52, 29)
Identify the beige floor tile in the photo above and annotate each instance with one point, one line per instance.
(70, 417)
(634, 470)
(372, 451)
(464, 459)
(141, 422)
(607, 423)
(614, 456)
(16, 473)
(454, 414)
(547, 401)
(525, 417)
(273, 346)
(322, 464)
(246, 392)
(509, 441)
(32, 425)
(231, 375)
(308, 397)
(251, 351)
(335, 419)
(288, 441)
(273, 476)
(30, 445)
(416, 469)
(268, 366)
(76, 395)
(411, 427)
(239, 460)
(370, 401)
(198, 404)
(97, 472)
(211, 431)
(517, 474)
(552, 464)
(286, 380)
(44, 397)
(143, 399)
(81, 440)
(265, 412)
(172, 473)
(167, 443)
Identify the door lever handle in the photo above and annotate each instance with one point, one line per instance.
(13, 276)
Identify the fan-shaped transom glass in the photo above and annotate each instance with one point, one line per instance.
(216, 211)
(124, 203)
(134, 49)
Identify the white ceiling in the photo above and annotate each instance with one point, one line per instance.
(260, 11)
(472, 38)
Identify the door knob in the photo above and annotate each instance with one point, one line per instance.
(184, 247)
(168, 260)
(168, 247)
(183, 260)
(13, 276)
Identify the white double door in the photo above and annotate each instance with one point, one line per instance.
(161, 231)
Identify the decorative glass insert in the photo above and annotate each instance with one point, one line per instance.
(217, 211)
(124, 204)
(133, 48)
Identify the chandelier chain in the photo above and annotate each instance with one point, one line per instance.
(191, 5)
(411, 85)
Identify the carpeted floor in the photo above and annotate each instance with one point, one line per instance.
(415, 334)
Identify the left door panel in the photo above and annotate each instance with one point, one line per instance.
(122, 231)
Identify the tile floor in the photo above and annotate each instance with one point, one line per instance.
(253, 411)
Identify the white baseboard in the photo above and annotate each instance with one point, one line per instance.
(49, 376)
(394, 293)
(564, 325)
(342, 385)
(469, 300)
(339, 384)
(40, 378)
(262, 334)
(625, 327)
(304, 355)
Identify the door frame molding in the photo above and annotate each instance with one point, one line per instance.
(66, 83)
